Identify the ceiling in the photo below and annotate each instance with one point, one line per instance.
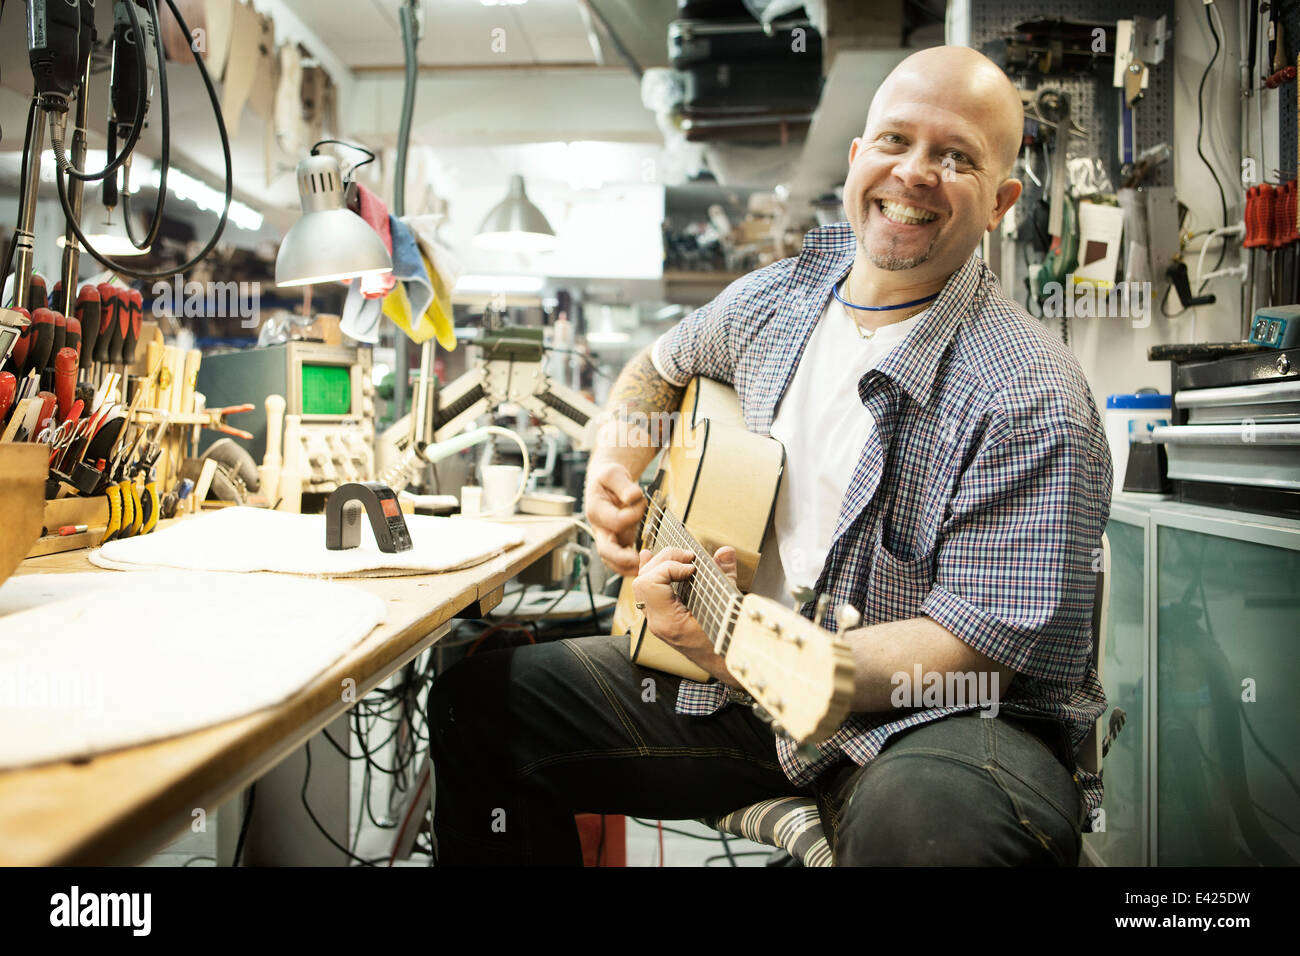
(547, 74)
(365, 34)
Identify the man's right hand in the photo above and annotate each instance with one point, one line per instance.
(615, 505)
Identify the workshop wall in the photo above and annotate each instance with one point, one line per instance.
(1112, 351)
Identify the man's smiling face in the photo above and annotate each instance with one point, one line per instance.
(929, 174)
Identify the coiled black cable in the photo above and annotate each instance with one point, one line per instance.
(164, 154)
(229, 191)
(142, 80)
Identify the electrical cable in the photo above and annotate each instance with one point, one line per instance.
(229, 190)
(243, 827)
(141, 107)
(315, 151)
(302, 794)
(164, 149)
(407, 16)
(733, 856)
(13, 241)
(1200, 130)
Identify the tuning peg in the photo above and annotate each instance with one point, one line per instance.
(802, 596)
(847, 617)
(761, 713)
(823, 602)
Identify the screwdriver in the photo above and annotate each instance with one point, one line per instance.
(131, 329)
(8, 386)
(36, 293)
(46, 415)
(18, 357)
(88, 315)
(60, 333)
(42, 343)
(65, 380)
(109, 342)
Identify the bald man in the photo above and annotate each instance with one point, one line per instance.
(946, 476)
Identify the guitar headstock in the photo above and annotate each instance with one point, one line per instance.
(799, 673)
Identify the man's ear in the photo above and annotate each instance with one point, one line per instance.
(1007, 195)
(853, 148)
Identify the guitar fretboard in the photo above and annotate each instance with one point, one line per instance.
(708, 594)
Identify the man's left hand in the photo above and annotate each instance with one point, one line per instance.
(668, 617)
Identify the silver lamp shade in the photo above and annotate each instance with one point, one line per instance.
(329, 242)
(515, 224)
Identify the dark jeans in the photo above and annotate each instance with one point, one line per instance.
(524, 738)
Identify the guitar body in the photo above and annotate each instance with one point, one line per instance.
(722, 480)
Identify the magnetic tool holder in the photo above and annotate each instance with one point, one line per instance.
(343, 517)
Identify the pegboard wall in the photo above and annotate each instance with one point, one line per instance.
(1289, 13)
(1094, 103)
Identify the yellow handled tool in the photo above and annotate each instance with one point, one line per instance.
(114, 513)
(150, 504)
(131, 500)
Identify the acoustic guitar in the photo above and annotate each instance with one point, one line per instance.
(716, 485)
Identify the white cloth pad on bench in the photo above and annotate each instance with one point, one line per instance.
(94, 662)
(254, 539)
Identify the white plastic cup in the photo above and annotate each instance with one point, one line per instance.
(500, 484)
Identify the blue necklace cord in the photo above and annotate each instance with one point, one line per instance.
(882, 308)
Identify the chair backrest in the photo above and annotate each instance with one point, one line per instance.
(1089, 755)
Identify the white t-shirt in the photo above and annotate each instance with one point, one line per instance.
(823, 425)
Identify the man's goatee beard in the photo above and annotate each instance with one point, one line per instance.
(892, 263)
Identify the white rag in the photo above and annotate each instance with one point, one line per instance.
(254, 539)
(94, 662)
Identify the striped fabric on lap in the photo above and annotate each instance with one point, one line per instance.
(791, 823)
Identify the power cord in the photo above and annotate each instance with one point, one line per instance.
(1200, 130)
(243, 827)
(229, 190)
(306, 780)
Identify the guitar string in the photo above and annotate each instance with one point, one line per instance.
(714, 589)
(670, 523)
(715, 583)
(721, 583)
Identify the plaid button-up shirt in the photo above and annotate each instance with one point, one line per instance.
(978, 501)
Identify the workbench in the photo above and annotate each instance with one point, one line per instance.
(121, 807)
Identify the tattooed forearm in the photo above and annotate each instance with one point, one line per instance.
(638, 418)
(641, 389)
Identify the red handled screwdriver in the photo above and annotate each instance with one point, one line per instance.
(88, 315)
(65, 380)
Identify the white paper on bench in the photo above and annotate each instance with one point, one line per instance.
(93, 662)
(254, 539)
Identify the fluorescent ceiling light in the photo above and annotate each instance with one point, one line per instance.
(144, 172)
(494, 284)
(607, 338)
(184, 186)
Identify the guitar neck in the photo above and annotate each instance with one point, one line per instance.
(709, 594)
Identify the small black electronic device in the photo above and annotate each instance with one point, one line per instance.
(343, 517)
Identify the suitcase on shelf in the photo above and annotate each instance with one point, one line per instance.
(740, 87)
(714, 10)
(694, 42)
